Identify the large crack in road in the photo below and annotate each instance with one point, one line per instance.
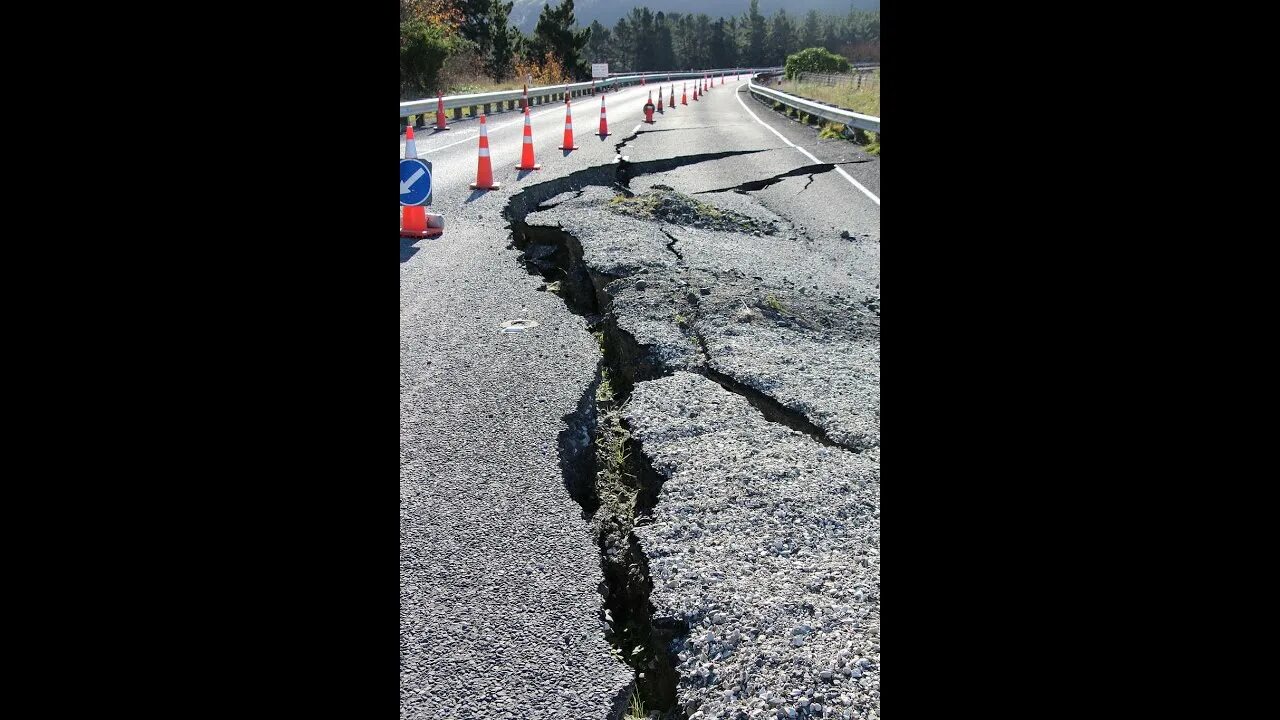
(606, 470)
(755, 185)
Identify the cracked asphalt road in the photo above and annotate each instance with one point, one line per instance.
(500, 599)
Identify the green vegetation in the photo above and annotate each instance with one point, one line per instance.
(655, 203)
(864, 99)
(604, 391)
(636, 710)
(815, 60)
(456, 46)
(831, 131)
(873, 147)
(775, 304)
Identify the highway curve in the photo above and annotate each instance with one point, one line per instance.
(707, 305)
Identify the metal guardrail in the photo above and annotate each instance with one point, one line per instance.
(815, 108)
(550, 93)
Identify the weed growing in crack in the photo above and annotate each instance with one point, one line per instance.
(776, 304)
(604, 392)
(636, 710)
(667, 205)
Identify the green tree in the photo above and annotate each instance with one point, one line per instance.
(423, 49)
(721, 50)
(504, 40)
(476, 15)
(811, 36)
(599, 45)
(781, 39)
(623, 46)
(642, 48)
(663, 52)
(756, 34)
(702, 33)
(555, 33)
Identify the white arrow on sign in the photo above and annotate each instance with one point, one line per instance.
(406, 184)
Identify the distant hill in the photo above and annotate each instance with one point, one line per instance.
(525, 13)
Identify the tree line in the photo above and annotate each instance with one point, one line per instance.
(431, 31)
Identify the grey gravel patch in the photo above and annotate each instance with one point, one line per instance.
(766, 543)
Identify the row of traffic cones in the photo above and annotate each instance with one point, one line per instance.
(441, 123)
(484, 167)
(416, 222)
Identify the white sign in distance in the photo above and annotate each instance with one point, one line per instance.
(599, 70)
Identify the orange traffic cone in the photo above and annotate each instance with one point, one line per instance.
(568, 127)
(526, 157)
(695, 92)
(415, 221)
(524, 101)
(684, 96)
(659, 98)
(673, 96)
(410, 145)
(440, 124)
(484, 168)
(604, 124)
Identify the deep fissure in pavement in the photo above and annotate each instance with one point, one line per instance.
(605, 469)
(754, 185)
(672, 246)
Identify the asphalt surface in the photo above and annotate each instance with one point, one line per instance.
(500, 576)
(766, 544)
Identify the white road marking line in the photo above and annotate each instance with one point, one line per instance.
(839, 169)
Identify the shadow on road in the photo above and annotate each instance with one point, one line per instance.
(407, 250)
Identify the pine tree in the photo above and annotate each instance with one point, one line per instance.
(503, 40)
(756, 35)
(555, 34)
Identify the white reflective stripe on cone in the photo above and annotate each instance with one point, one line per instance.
(484, 152)
(410, 149)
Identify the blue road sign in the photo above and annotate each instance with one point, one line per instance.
(415, 182)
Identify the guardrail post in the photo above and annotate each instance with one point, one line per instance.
(473, 111)
(420, 120)
(457, 113)
(486, 108)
